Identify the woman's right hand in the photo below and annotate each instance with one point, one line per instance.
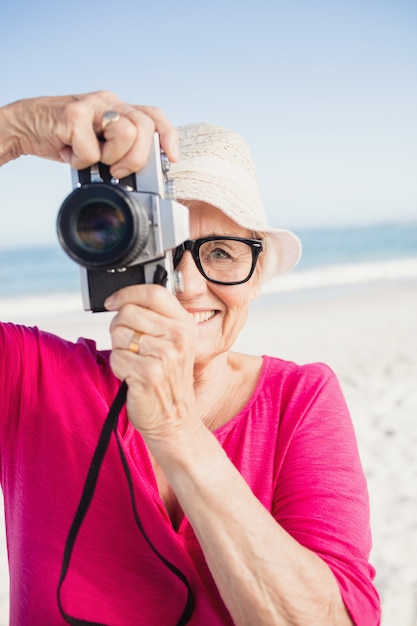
(66, 128)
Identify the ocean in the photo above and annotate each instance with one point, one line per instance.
(332, 257)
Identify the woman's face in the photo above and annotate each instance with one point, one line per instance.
(219, 310)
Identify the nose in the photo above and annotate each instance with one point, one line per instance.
(194, 282)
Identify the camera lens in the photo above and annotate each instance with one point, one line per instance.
(102, 226)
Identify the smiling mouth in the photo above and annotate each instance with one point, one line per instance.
(202, 316)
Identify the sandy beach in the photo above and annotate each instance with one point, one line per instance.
(368, 335)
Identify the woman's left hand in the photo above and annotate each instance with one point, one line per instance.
(160, 399)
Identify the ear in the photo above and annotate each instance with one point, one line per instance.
(256, 282)
(254, 291)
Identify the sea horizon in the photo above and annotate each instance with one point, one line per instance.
(42, 275)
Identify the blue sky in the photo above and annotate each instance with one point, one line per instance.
(325, 93)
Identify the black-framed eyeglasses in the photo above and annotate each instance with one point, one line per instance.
(223, 260)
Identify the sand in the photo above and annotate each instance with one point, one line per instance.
(368, 335)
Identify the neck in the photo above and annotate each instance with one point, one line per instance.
(211, 383)
(223, 386)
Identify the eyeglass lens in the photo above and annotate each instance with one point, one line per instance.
(226, 260)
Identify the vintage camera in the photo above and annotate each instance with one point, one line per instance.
(122, 232)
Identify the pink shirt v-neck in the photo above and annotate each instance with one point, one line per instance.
(293, 443)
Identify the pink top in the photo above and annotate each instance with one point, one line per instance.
(293, 443)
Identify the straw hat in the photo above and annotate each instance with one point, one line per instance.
(216, 167)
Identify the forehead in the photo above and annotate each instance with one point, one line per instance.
(206, 220)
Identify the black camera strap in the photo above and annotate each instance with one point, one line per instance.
(109, 427)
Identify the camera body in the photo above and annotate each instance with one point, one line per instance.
(122, 232)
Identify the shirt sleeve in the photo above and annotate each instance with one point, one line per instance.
(321, 495)
(30, 361)
(19, 374)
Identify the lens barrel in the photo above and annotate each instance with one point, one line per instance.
(102, 226)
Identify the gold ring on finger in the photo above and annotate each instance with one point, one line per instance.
(134, 345)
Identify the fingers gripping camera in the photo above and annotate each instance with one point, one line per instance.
(123, 232)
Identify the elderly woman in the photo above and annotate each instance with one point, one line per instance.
(246, 503)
